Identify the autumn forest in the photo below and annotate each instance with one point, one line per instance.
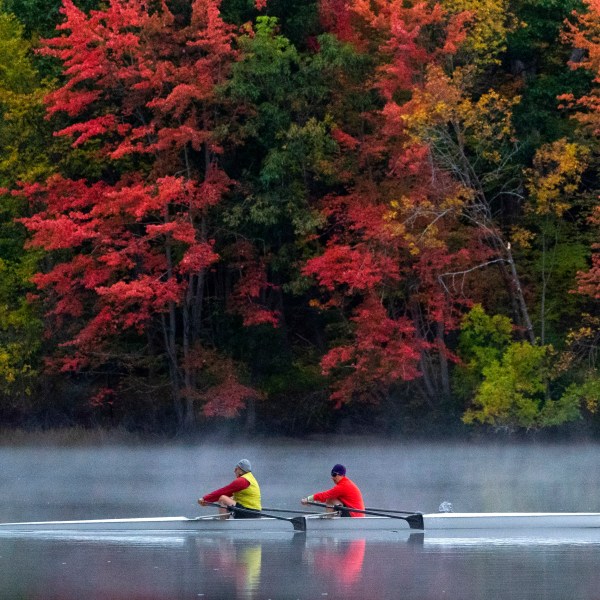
(300, 216)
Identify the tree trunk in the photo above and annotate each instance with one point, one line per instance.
(184, 407)
(188, 378)
(173, 374)
(518, 290)
(444, 372)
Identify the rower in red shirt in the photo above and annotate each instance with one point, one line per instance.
(344, 492)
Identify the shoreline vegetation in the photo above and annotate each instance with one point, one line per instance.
(230, 435)
(299, 217)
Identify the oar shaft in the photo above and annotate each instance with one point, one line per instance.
(248, 511)
(295, 512)
(298, 523)
(395, 512)
(415, 520)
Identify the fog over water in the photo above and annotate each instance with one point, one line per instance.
(46, 483)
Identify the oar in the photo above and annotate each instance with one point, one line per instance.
(298, 523)
(395, 512)
(415, 520)
(297, 512)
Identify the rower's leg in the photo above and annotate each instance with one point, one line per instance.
(225, 502)
(335, 505)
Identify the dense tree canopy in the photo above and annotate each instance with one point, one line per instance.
(301, 213)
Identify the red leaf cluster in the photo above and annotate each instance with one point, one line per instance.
(217, 388)
(356, 269)
(158, 70)
(384, 351)
(589, 281)
(249, 293)
(226, 399)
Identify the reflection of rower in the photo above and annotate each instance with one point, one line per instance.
(250, 562)
(344, 492)
(243, 492)
(234, 562)
(345, 562)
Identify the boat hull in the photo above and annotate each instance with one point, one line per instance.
(463, 521)
(151, 525)
(325, 523)
(443, 521)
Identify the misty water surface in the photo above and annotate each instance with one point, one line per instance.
(105, 482)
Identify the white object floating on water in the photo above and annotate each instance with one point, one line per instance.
(445, 507)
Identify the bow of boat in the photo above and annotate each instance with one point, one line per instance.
(511, 520)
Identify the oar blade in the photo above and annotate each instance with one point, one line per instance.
(415, 521)
(299, 524)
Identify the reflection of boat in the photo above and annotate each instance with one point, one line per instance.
(164, 539)
(326, 522)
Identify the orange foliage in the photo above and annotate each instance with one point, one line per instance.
(584, 34)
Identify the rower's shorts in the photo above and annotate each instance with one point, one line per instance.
(251, 514)
(341, 508)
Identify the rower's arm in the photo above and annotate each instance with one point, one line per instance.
(331, 494)
(237, 485)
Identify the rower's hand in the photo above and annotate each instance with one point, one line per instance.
(202, 502)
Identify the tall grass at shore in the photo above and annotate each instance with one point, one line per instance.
(73, 436)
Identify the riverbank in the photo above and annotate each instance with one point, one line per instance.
(78, 436)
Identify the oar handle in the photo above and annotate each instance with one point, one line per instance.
(414, 520)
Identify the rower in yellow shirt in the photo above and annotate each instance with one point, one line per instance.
(243, 492)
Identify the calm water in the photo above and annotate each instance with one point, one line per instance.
(53, 483)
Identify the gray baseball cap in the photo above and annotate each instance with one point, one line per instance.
(244, 465)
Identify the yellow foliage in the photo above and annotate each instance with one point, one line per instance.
(420, 222)
(491, 22)
(443, 113)
(587, 334)
(556, 175)
(521, 237)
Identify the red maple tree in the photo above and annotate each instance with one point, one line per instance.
(134, 248)
(389, 235)
(584, 33)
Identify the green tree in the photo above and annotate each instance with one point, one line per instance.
(550, 234)
(23, 133)
(514, 393)
(482, 341)
(24, 156)
(536, 60)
